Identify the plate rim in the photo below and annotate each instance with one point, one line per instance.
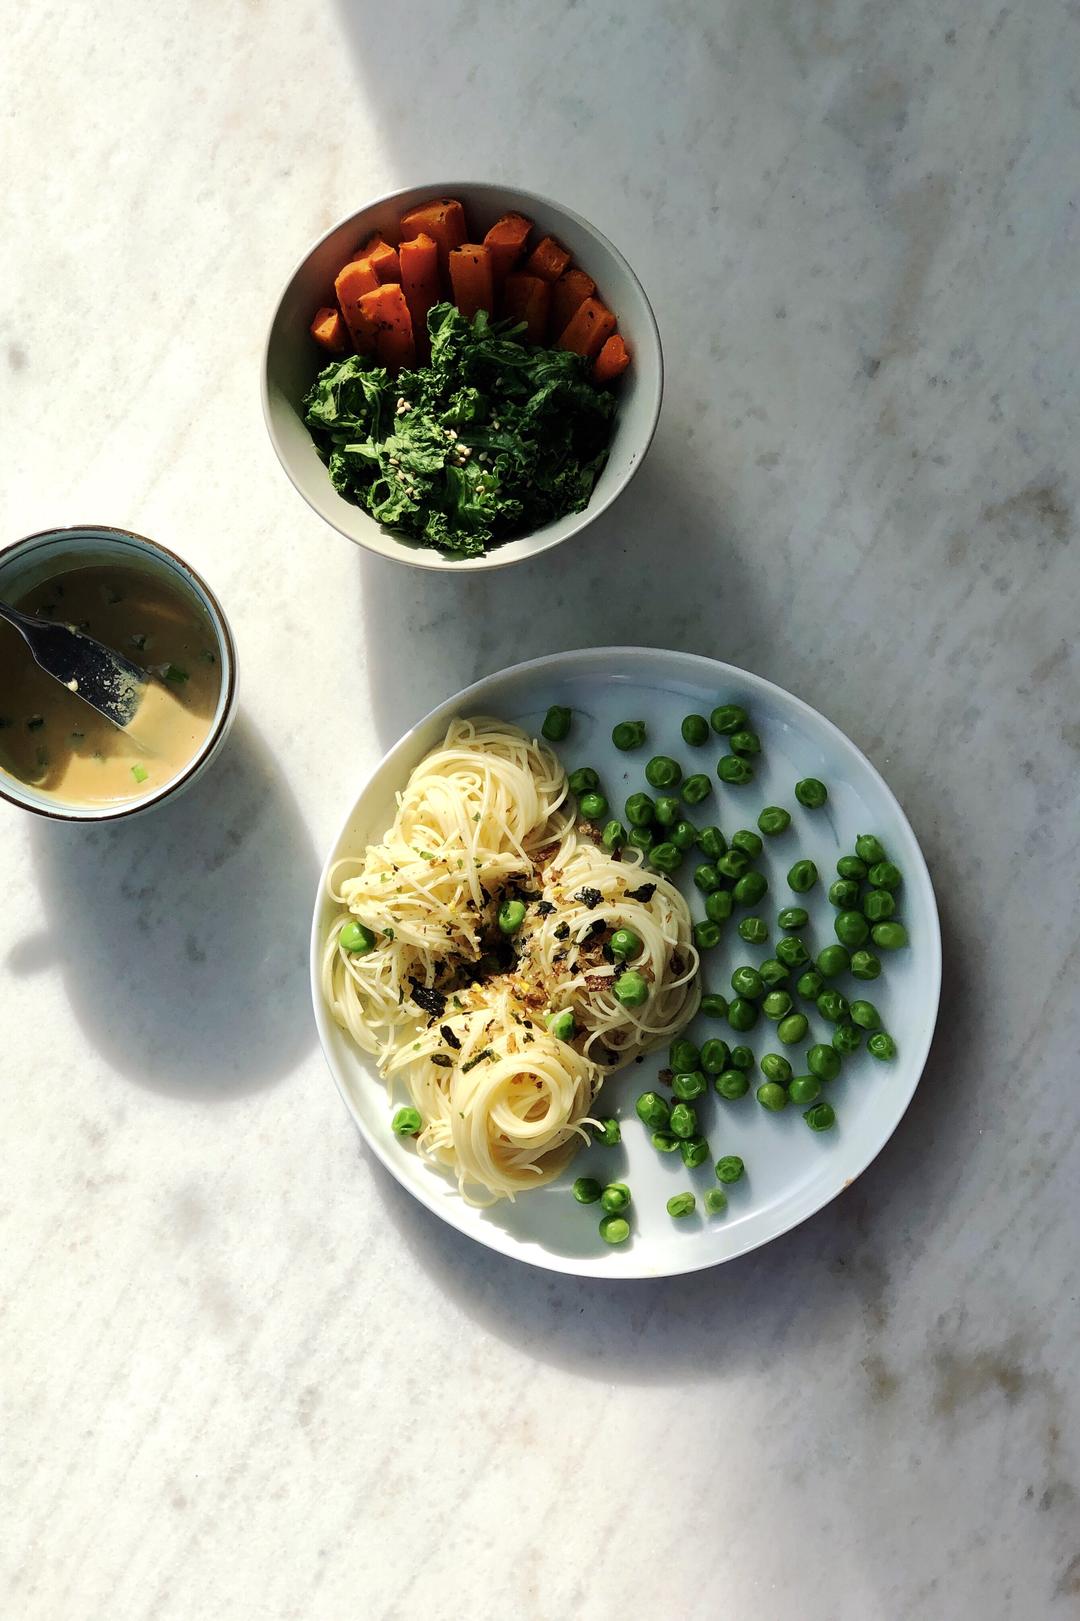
(496, 1238)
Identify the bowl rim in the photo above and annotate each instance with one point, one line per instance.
(425, 557)
(217, 731)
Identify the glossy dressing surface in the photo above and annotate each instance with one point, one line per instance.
(54, 742)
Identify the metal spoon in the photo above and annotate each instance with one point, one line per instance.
(105, 680)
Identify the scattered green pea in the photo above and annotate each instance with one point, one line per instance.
(667, 810)
(742, 1014)
(696, 788)
(706, 878)
(734, 771)
(879, 905)
(744, 742)
(824, 1062)
(821, 1117)
(833, 960)
(711, 842)
(885, 875)
(847, 1038)
(889, 936)
(631, 989)
(715, 1055)
(639, 810)
(774, 820)
(792, 952)
(683, 1055)
(792, 1029)
(851, 928)
(662, 771)
(866, 1015)
(754, 930)
(844, 894)
(556, 723)
(881, 1045)
(586, 1190)
(608, 1131)
(407, 1122)
(713, 1005)
(775, 1067)
(652, 1111)
(614, 835)
(614, 1229)
(628, 734)
(683, 835)
(615, 1198)
(792, 917)
(593, 807)
(625, 943)
(707, 934)
(802, 876)
(681, 1204)
(687, 1088)
(750, 888)
(695, 730)
(729, 1168)
(742, 1058)
(750, 844)
(732, 1083)
(771, 1095)
(666, 857)
(810, 985)
(732, 864)
(832, 1006)
(664, 1142)
(777, 1005)
(746, 981)
(811, 792)
(715, 1201)
(851, 867)
(683, 1120)
(869, 849)
(641, 838)
(511, 916)
(864, 965)
(356, 938)
(804, 1089)
(727, 718)
(773, 973)
(562, 1026)
(719, 905)
(694, 1151)
(584, 780)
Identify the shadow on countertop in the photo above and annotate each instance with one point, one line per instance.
(182, 934)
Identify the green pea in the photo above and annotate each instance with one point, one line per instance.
(792, 1029)
(792, 917)
(407, 1122)
(832, 1006)
(714, 1006)
(615, 1198)
(744, 742)
(775, 1067)
(511, 916)
(811, 792)
(625, 943)
(584, 780)
(718, 905)
(802, 876)
(810, 985)
(707, 934)
(614, 1229)
(865, 1015)
(824, 1062)
(727, 718)
(746, 981)
(851, 867)
(556, 723)
(711, 842)
(683, 1056)
(889, 936)
(667, 810)
(879, 905)
(652, 1111)
(851, 928)
(774, 820)
(695, 730)
(742, 1058)
(684, 1120)
(664, 1142)
(881, 1045)
(357, 939)
(631, 989)
(683, 835)
(844, 894)
(833, 960)
(729, 1168)
(663, 772)
(734, 771)
(732, 864)
(688, 1087)
(706, 878)
(640, 810)
(792, 952)
(869, 849)
(777, 1005)
(847, 1038)
(771, 1095)
(750, 888)
(864, 965)
(715, 1201)
(562, 1025)
(586, 1190)
(614, 835)
(773, 973)
(822, 1117)
(593, 807)
(608, 1131)
(732, 1083)
(754, 930)
(885, 875)
(681, 1204)
(666, 857)
(715, 1055)
(628, 734)
(749, 843)
(696, 788)
(742, 1014)
(641, 838)
(804, 1089)
(694, 1151)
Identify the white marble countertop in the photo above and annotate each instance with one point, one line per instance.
(245, 1377)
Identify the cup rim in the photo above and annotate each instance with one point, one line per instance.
(217, 731)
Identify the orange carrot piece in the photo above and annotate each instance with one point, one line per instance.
(612, 360)
(590, 326)
(420, 284)
(443, 219)
(391, 325)
(567, 296)
(383, 258)
(528, 299)
(329, 331)
(506, 240)
(548, 260)
(471, 278)
(353, 282)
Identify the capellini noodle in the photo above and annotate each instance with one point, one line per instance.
(503, 1102)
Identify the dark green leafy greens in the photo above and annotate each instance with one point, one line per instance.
(493, 439)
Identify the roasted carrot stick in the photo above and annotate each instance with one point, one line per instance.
(471, 279)
(329, 331)
(590, 326)
(420, 284)
(387, 315)
(548, 260)
(612, 360)
(357, 278)
(568, 294)
(443, 219)
(383, 258)
(528, 299)
(507, 239)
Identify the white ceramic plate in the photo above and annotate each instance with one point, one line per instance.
(791, 1171)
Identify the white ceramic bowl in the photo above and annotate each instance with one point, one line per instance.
(791, 1171)
(292, 361)
(54, 553)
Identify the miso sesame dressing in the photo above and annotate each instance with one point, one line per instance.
(54, 742)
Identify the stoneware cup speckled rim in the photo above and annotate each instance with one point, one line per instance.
(87, 544)
(291, 362)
